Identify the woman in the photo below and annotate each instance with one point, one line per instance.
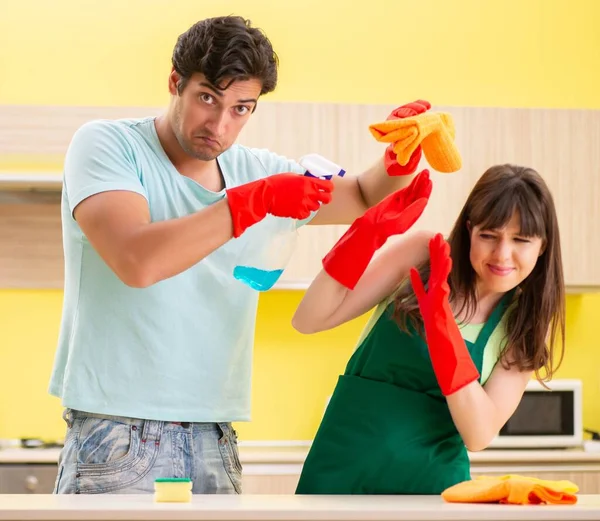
(406, 410)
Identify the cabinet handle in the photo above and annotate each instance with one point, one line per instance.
(31, 483)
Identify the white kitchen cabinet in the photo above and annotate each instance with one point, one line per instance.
(264, 474)
(557, 143)
(270, 483)
(588, 481)
(282, 478)
(27, 479)
(561, 145)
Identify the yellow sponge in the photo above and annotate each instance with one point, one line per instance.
(172, 490)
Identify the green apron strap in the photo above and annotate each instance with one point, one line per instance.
(494, 319)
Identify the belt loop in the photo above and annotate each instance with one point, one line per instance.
(225, 429)
(68, 417)
(152, 430)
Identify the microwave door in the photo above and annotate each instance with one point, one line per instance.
(542, 419)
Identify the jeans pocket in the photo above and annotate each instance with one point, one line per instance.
(112, 455)
(105, 443)
(231, 460)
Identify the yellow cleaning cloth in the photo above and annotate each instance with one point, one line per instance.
(434, 131)
(514, 489)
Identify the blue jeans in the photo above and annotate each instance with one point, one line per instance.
(111, 454)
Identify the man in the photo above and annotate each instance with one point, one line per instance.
(154, 355)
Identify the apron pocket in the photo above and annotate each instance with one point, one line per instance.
(377, 438)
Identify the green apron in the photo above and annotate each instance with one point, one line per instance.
(387, 428)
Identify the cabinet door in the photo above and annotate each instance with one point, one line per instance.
(587, 481)
(270, 483)
(27, 479)
(559, 144)
(312, 245)
(562, 145)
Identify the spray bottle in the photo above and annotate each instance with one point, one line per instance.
(266, 266)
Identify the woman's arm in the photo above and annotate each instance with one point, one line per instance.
(327, 303)
(480, 412)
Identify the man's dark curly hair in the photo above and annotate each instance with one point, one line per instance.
(225, 49)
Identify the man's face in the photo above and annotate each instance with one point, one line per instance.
(207, 121)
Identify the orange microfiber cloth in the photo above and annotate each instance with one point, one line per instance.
(434, 131)
(513, 489)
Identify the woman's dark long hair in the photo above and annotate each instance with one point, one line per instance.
(540, 312)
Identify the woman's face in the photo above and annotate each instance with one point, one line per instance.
(503, 258)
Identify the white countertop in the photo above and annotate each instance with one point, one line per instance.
(16, 456)
(296, 455)
(34, 507)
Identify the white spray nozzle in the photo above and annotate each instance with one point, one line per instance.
(318, 166)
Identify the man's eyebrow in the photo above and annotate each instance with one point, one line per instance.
(209, 86)
(220, 94)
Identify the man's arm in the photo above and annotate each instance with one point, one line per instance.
(353, 195)
(109, 203)
(141, 253)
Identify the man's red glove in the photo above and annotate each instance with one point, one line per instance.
(282, 195)
(392, 166)
(349, 258)
(449, 355)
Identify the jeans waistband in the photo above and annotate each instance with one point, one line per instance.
(69, 415)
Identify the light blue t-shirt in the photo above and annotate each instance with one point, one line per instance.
(181, 349)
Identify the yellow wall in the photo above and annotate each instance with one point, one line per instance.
(285, 404)
(533, 53)
(293, 374)
(466, 52)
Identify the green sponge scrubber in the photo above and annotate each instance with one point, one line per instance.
(172, 490)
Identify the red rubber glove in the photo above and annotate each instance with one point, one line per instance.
(392, 166)
(283, 195)
(349, 258)
(450, 358)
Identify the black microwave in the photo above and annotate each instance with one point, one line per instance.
(545, 418)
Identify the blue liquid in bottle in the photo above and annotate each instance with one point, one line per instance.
(260, 280)
(281, 243)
